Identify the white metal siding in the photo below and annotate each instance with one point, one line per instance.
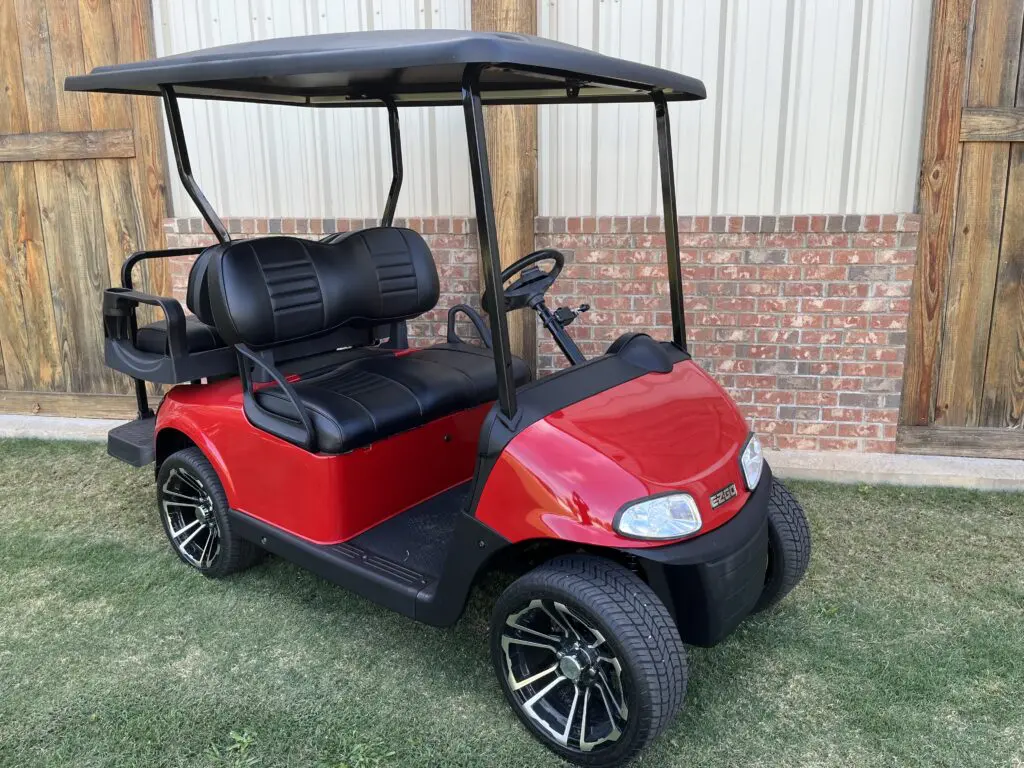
(260, 160)
(814, 106)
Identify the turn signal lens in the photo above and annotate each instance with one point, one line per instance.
(662, 517)
(752, 461)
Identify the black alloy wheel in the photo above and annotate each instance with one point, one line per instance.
(194, 512)
(589, 658)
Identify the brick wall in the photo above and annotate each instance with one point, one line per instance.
(802, 318)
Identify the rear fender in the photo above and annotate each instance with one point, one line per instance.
(172, 416)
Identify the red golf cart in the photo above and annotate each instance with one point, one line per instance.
(627, 489)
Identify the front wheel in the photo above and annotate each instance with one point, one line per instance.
(789, 547)
(589, 659)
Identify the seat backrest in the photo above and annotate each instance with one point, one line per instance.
(276, 290)
(197, 293)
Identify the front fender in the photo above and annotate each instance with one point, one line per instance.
(566, 475)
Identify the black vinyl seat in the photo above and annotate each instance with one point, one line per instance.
(274, 291)
(199, 336)
(377, 396)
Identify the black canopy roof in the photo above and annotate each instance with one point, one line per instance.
(418, 67)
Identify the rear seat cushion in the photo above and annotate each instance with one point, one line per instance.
(199, 337)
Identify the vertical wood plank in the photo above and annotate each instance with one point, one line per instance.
(968, 315)
(992, 82)
(120, 216)
(28, 337)
(940, 163)
(1003, 399)
(1003, 396)
(80, 265)
(512, 153)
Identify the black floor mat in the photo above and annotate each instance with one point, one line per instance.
(419, 537)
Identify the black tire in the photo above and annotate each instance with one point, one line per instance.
(789, 547)
(638, 633)
(187, 473)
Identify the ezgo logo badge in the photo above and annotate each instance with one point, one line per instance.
(718, 499)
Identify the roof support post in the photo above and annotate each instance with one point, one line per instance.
(490, 260)
(185, 167)
(397, 173)
(671, 219)
(512, 135)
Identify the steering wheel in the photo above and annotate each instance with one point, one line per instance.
(534, 281)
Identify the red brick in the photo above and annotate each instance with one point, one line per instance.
(837, 444)
(847, 289)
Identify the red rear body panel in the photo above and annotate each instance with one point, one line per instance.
(323, 499)
(567, 475)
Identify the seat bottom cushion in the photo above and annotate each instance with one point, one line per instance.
(477, 365)
(370, 398)
(199, 337)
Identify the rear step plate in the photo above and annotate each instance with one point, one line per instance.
(133, 442)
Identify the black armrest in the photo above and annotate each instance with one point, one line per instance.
(119, 317)
(166, 253)
(280, 426)
(474, 317)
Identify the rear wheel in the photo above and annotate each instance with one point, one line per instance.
(789, 547)
(194, 511)
(589, 658)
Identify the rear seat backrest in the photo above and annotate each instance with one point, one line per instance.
(276, 290)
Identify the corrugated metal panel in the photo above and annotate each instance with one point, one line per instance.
(257, 160)
(812, 107)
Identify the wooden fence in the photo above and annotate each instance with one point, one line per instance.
(81, 186)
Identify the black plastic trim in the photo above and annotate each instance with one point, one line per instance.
(438, 602)
(710, 582)
(133, 442)
(178, 366)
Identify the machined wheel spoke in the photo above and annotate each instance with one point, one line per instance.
(194, 500)
(507, 640)
(572, 621)
(528, 704)
(601, 681)
(572, 715)
(518, 684)
(186, 478)
(553, 612)
(513, 621)
(185, 529)
(206, 546)
(172, 503)
(194, 533)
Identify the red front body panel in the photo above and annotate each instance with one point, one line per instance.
(567, 475)
(323, 499)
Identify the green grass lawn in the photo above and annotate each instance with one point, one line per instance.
(904, 646)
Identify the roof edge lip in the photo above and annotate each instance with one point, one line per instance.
(397, 61)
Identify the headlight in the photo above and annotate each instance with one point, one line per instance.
(670, 516)
(752, 461)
